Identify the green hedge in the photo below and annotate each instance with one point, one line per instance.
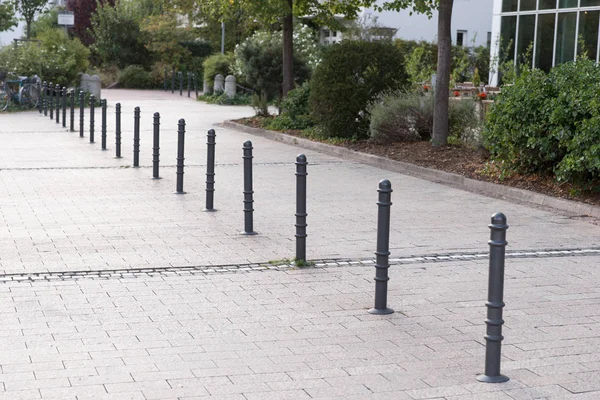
(350, 75)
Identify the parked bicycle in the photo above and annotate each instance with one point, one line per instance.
(22, 91)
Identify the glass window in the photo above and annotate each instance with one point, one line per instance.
(544, 41)
(461, 38)
(525, 39)
(565, 37)
(590, 3)
(509, 5)
(528, 5)
(588, 32)
(567, 3)
(547, 4)
(508, 30)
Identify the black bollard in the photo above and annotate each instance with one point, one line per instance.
(64, 107)
(136, 137)
(72, 119)
(45, 107)
(248, 192)
(42, 97)
(81, 112)
(57, 89)
(196, 85)
(118, 131)
(165, 80)
(92, 116)
(51, 106)
(156, 146)
(210, 169)
(383, 244)
(103, 135)
(189, 88)
(180, 83)
(495, 303)
(172, 81)
(180, 153)
(301, 214)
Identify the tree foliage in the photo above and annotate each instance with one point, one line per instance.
(28, 10)
(83, 10)
(8, 19)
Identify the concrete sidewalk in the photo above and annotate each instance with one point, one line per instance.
(166, 330)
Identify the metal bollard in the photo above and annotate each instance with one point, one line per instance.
(103, 135)
(248, 192)
(42, 97)
(64, 107)
(72, 116)
(383, 244)
(45, 105)
(165, 80)
(81, 112)
(172, 81)
(196, 85)
(180, 154)
(189, 88)
(51, 95)
(118, 131)
(301, 214)
(156, 146)
(57, 103)
(495, 303)
(210, 169)
(136, 137)
(181, 83)
(92, 116)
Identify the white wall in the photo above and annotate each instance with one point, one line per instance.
(473, 16)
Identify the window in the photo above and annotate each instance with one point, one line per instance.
(565, 37)
(544, 41)
(509, 5)
(547, 4)
(525, 39)
(334, 34)
(567, 3)
(528, 5)
(590, 3)
(588, 30)
(325, 32)
(489, 39)
(508, 29)
(461, 38)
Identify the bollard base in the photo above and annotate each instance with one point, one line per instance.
(380, 311)
(248, 233)
(492, 379)
(118, 157)
(179, 192)
(211, 210)
(156, 178)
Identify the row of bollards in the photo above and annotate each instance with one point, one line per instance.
(495, 302)
(192, 82)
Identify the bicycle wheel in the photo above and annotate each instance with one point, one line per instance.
(5, 95)
(29, 95)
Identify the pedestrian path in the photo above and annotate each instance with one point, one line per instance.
(115, 287)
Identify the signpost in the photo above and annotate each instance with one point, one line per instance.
(66, 19)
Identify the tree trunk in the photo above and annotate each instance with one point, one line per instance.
(442, 87)
(288, 50)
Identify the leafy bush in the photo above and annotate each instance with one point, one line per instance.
(296, 102)
(549, 123)
(58, 58)
(259, 63)
(135, 77)
(223, 99)
(284, 122)
(405, 117)
(351, 75)
(216, 64)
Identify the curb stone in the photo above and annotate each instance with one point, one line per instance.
(446, 178)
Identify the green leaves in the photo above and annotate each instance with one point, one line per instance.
(7, 16)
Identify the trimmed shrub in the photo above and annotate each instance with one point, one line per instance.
(407, 117)
(216, 64)
(352, 74)
(296, 102)
(135, 77)
(549, 123)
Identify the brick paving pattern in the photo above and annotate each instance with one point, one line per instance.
(115, 288)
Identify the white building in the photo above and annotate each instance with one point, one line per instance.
(471, 24)
(550, 27)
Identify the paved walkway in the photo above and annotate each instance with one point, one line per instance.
(116, 288)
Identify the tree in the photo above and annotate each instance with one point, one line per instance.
(7, 16)
(444, 7)
(28, 9)
(83, 10)
(281, 13)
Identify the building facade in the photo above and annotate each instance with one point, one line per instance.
(544, 33)
(471, 24)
